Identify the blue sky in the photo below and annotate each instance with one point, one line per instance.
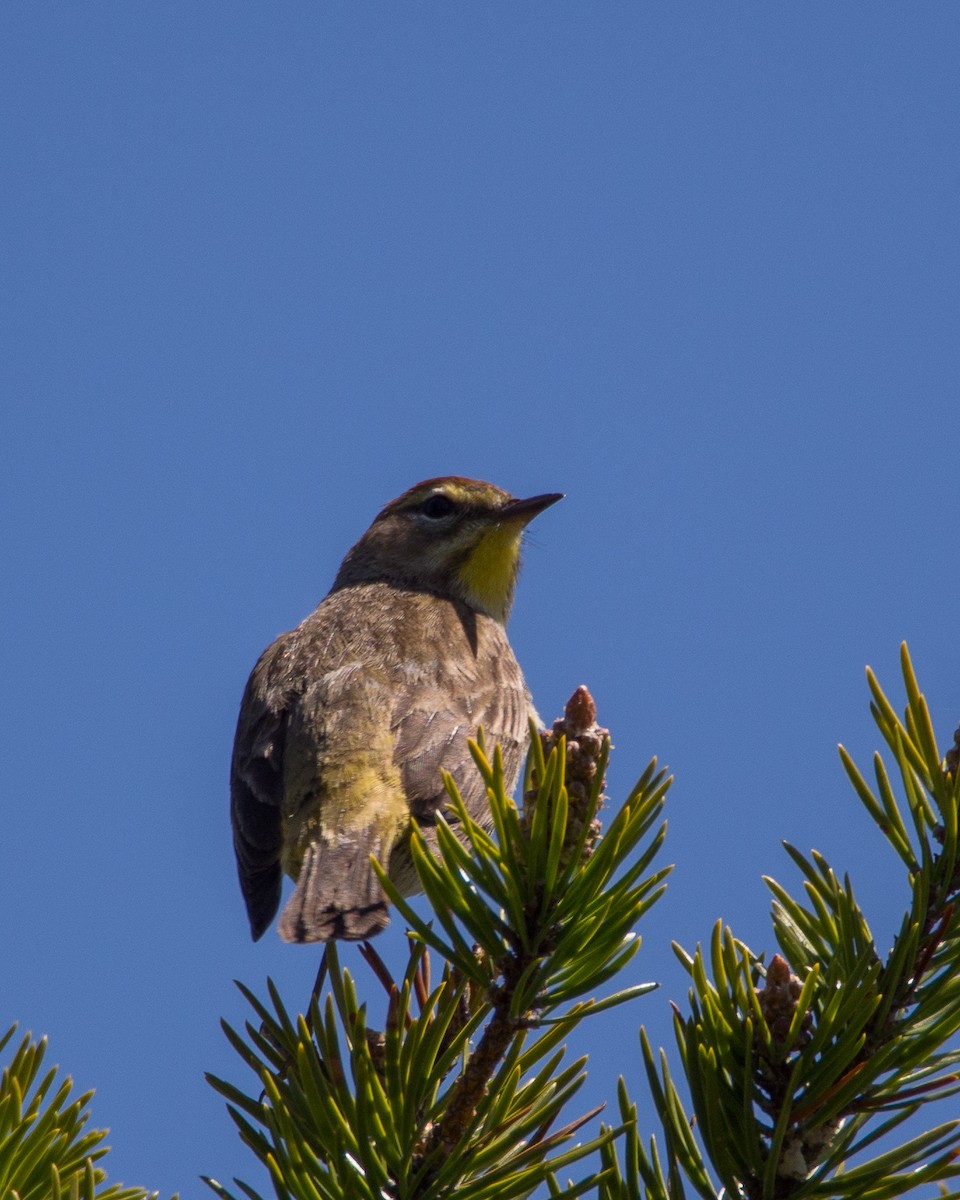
(265, 266)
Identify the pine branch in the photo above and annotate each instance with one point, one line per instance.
(461, 1092)
(797, 1069)
(577, 736)
(44, 1151)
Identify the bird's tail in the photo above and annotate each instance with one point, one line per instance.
(338, 895)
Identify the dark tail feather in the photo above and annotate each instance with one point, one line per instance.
(337, 896)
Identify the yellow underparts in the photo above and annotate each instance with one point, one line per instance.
(340, 797)
(490, 572)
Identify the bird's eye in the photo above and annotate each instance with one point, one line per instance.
(437, 506)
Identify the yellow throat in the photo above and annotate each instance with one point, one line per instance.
(489, 574)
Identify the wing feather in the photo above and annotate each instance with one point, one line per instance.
(256, 785)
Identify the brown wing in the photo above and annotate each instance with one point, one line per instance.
(256, 785)
(436, 716)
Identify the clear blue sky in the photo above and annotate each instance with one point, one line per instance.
(265, 266)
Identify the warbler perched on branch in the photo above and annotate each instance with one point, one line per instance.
(348, 720)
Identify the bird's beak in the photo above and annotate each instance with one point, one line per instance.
(525, 510)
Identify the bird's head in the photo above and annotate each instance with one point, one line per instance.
(457, 537)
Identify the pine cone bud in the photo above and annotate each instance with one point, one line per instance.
(778, 1002)
(585, 745)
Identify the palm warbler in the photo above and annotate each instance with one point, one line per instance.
(347, 720)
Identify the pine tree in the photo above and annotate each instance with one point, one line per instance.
(808, 1075)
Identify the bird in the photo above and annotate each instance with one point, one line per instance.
(348, 721)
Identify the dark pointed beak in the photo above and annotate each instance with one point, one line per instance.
(526, 510)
